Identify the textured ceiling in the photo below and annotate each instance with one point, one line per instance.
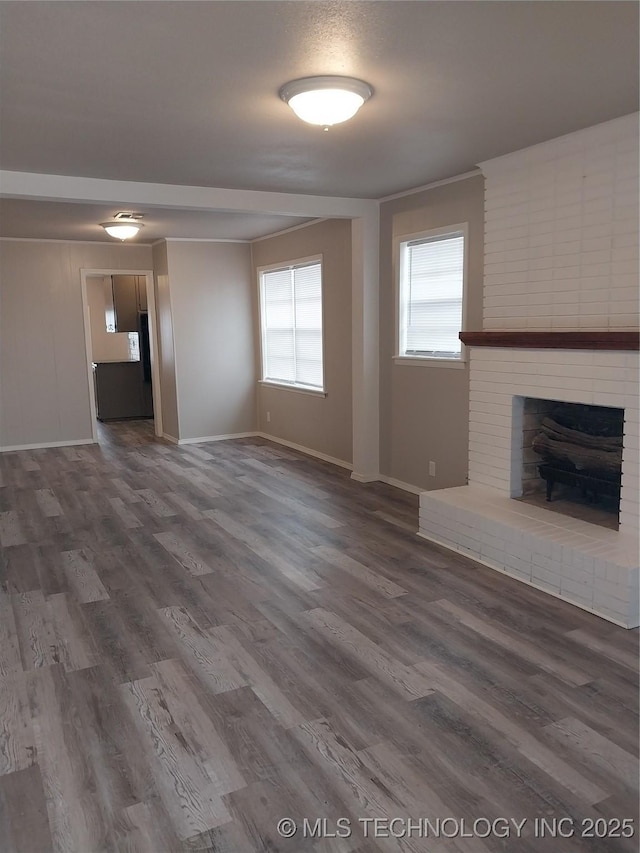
(187, 92)
(48, 220)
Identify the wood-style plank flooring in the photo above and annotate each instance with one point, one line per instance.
(198, 641)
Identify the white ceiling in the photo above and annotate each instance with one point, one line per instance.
(187, 93)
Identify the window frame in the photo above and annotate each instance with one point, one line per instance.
(298, 388)
(399, 259)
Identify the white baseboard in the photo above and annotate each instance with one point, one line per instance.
(170, 438)
(45, 444)
(359, 478)
(307, 450)
(363, 478)
(399, 484)
(204, 438)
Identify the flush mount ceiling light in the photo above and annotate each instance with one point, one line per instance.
(124, 226)
(326, 101)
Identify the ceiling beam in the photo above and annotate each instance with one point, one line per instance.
(41, 187)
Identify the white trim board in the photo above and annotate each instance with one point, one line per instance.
(365, 478)
(307, 450)
(46, 444)
(288, 230)
(400, 484)
(299, 447)
(154, 340)
(432, 186)
(203, 439)
(73, 242)
(324, 457)
(389, 481)
(200, 240)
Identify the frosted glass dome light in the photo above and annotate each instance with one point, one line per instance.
(122, 229)
(326, 101)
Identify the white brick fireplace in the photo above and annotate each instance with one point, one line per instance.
(561, 255)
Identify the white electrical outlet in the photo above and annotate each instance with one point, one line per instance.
(432, 469)
(268, 417)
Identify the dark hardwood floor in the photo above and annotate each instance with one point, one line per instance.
(199, 641)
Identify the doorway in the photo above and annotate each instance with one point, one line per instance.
(123, 368)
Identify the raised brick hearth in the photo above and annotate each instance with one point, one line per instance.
(582, 562)
(561, 254)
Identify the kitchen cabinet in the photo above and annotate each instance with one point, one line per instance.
(125, 303)
(129, 299)
(121, 391)
(141, 292)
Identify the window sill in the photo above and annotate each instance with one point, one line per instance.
(456, 363)
(299, 389)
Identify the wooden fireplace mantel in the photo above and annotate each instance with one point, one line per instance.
(597, 340)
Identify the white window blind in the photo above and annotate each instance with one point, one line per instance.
(431, 292)
(291, 301)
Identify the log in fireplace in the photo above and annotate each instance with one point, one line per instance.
(581, 446)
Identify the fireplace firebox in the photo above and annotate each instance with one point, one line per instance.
(572, 452)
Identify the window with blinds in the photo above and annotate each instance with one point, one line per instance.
(431, 296)
(291, 320)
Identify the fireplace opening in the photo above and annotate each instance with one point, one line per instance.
(572, 459)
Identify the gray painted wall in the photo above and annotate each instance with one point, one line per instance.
(207, 305)
(424, 410)
(170, 425)
(322, 424)
(44, 389)
(213, 335)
